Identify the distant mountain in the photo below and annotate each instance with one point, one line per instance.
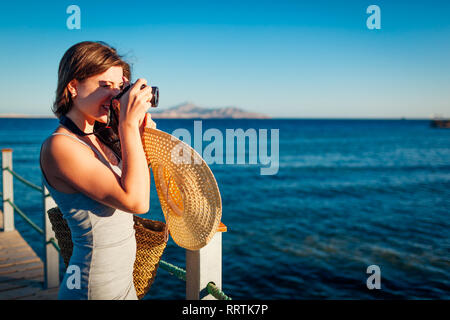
(181, 111)
(189, 111)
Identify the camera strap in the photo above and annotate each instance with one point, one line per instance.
(69, 124)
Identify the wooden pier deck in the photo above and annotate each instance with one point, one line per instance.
(21, 270)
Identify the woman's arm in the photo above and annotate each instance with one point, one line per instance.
(73, 167)
(77, 167)
(135, 173)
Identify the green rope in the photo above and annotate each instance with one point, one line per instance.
(24, 216)
(181, 274)
(23, 180)
(35, 226)
(53, 242)
(173, 270)
(216, 292)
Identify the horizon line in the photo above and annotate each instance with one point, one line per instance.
(49, 116)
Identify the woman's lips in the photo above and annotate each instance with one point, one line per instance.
(104, 109)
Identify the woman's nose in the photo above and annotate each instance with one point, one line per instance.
(115, 91)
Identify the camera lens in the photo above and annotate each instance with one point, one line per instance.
(155, 100)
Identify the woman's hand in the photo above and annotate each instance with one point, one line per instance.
(147, 123)
(134, 103)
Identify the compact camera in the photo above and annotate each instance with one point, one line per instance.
(155, 91)
(109, 133)
(113, 116)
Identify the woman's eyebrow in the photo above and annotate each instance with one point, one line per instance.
(109, 81)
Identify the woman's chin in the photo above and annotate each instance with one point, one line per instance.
(102, 119)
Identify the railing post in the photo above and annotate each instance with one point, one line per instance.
(8, 190)
(51, 265)
(204, 266)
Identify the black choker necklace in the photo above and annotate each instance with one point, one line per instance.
(103, 132)
(69, 124)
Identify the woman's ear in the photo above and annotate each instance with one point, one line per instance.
(72, 87)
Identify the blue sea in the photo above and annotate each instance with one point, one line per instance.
(348, 194)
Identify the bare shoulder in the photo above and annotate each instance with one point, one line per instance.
(70, 166)
(62, 147)
(61, 154)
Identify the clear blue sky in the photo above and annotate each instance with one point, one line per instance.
(282, 58)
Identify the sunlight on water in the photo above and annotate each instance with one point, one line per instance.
(348, 194)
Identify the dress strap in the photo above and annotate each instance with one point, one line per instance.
(75, 138)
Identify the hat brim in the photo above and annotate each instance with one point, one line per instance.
(186, 187)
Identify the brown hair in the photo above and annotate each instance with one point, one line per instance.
(81, 61)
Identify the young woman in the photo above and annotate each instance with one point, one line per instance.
(96, 191)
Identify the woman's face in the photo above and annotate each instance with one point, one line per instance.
(94, 94)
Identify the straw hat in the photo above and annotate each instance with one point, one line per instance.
(187, 190)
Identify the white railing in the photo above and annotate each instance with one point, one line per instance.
(203, 267)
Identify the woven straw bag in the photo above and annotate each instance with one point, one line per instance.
(150, 245)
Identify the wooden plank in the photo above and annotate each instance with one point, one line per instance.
(9, 246)
(21, 267)
(11, 236)
(51, 267)
(19, 248)
(222, 227)
(20, 283)
(28, 274)
(17, 262)
(16, 251)
(21, 270)
(19, 292)
(49, 294)
(8, 190)
(203, 266)
(12, 285)
(16, 254)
